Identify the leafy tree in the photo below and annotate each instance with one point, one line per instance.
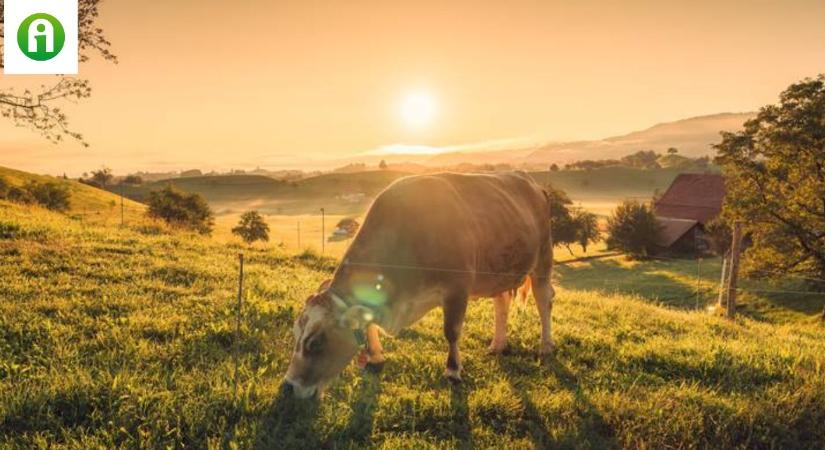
(586, 228)
(642, 160)
(382, 165)
(633, 229)
(252, 228)
(775, 180)
(183, 209)
(102, 177)
(554, 167)
(672, 151)
(51, 195)
(134, 180)
(39, 109)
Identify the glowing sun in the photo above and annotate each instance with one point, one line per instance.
(418, 109)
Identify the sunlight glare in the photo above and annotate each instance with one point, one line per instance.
(418, 109)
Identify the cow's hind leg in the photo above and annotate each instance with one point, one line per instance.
(455, 307)
(501, 303)
(544, 293)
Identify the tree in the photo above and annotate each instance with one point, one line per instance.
(252, 228)
(51, 195)
(102, 177)
(775, 181)
(134, 180)
(554, 167)
(586, 228)
(178, 208)
(40, 110)
(382, 165)
(642, 160)
(672, 151)
(633, 229)
(561, 221)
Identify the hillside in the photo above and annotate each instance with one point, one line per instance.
(693, 137)
(122, 337)
(86, 202)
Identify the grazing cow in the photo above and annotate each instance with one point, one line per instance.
(427, 241)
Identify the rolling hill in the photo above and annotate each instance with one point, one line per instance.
(86, 202)
(114, 337)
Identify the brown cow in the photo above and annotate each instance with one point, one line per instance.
(427, 241)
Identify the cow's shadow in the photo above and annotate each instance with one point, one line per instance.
(359, 428)
(460, 414)
(289, 423)
(591, 424)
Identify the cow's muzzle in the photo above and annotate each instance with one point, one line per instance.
(291, 388)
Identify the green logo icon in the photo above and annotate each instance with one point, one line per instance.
(41, 37)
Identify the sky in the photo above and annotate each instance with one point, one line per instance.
(217, 85)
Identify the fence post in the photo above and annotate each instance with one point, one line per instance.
(721, 303)
(238, 323)
(734, 269)
(698, 280)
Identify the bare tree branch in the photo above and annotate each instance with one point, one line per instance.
(39, 111)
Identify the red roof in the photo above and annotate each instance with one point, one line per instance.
(694, 196)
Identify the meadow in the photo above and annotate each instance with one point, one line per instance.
(125, 337)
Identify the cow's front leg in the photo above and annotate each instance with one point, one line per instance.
(501, 303)
(375, 353)
(455, 306)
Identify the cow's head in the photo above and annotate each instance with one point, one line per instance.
(325, 342)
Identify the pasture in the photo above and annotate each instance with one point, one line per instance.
(125, 338)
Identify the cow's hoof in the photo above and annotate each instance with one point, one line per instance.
(547, 348)
(374, 367)
(496, 349)
(453, 375)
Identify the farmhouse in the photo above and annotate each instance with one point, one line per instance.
(691, 201)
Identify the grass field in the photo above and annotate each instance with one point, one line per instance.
(125, 338)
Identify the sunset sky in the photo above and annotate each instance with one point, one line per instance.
(218, 84)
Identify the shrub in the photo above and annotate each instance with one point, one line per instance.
(4, 188)
(586, 228)
(633, 229)
(20, 195)
(52, 195)
(252, 228)
(183, 209)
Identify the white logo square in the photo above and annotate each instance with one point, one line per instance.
(40, 37)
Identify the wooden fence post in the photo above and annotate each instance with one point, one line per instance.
(736, 248)
(721, 303)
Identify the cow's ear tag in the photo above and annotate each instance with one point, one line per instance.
(356, 317)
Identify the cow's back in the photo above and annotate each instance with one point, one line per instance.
(480, 233)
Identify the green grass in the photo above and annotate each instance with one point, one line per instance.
(86, 202)
(124, 338)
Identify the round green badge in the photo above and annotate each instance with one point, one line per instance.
(41, 37)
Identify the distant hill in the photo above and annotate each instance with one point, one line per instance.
(693, 137)
(86, 201)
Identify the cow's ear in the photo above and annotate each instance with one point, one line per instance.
(356, 317)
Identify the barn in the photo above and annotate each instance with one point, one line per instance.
(691, 201)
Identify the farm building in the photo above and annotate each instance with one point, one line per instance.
(691, 201)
